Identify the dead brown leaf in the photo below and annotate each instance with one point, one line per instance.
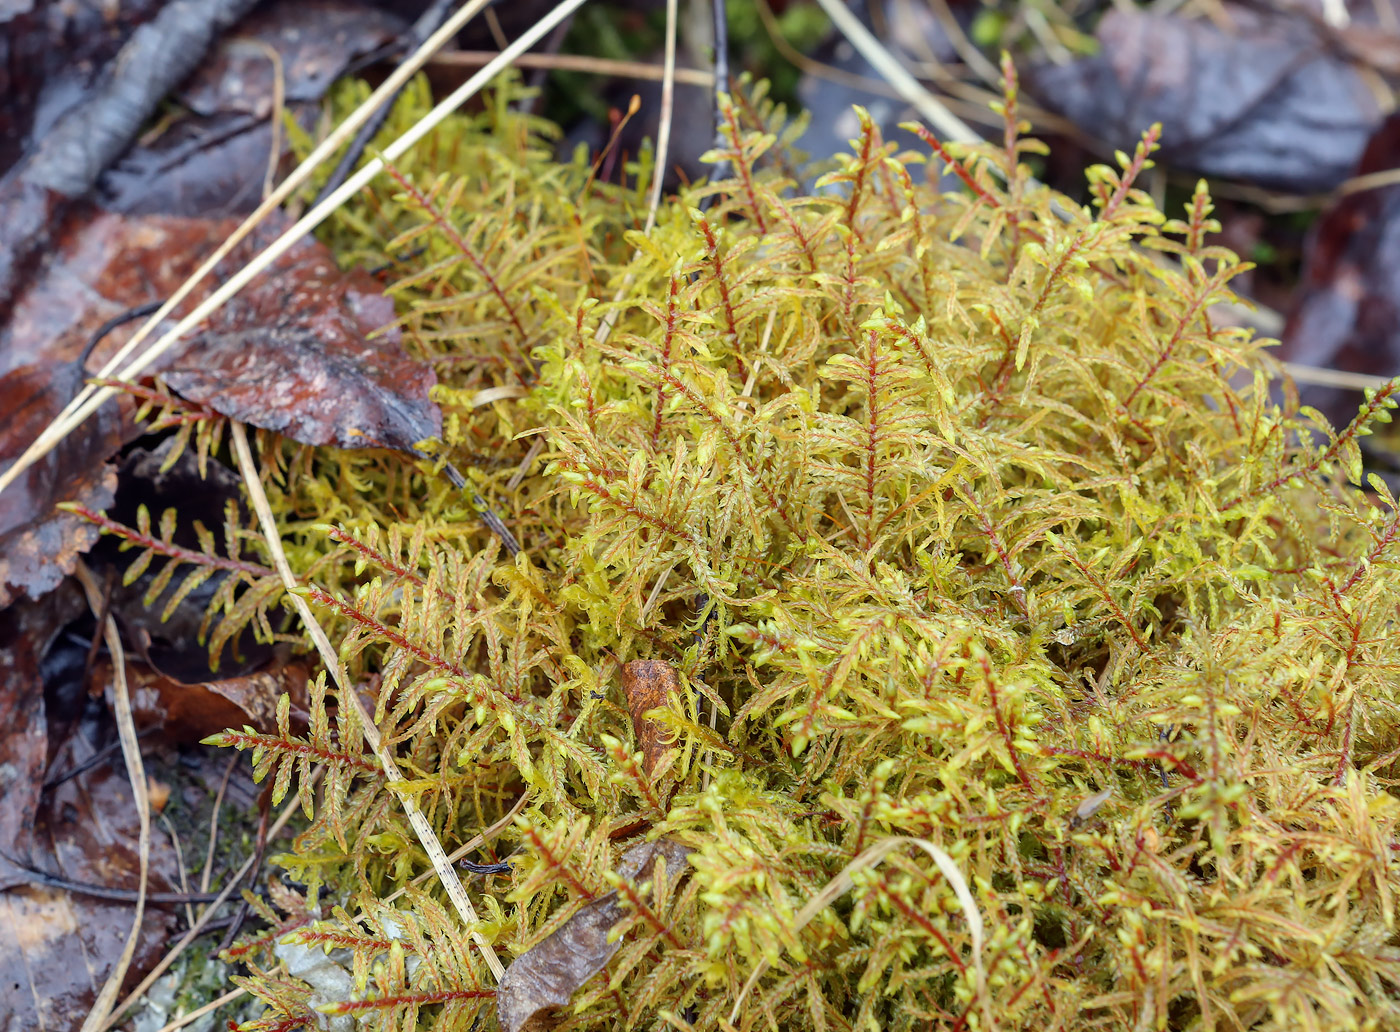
(547, 976)
(101, 267)
(292, 354)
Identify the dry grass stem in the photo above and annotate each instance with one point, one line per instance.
(843, 882)
(949, 126)
(668, 107)
(446, 873)
(136, 774)
(1334, 377)
(576, 63)
(475, 842)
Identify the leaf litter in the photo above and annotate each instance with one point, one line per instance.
(546, 976)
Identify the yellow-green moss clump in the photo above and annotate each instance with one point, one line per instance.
(961, 518)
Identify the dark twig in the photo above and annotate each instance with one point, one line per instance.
(719, 11)
(34, 876)
(552, 44)
(241, 914)
(103, 754)
(493, 522)
(130, 315)
(428, 23)
(102, 615)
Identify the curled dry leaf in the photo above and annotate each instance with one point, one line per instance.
(1271, 102)
(649, 684)
(1090, 806)
(189, 713)
(548, 975)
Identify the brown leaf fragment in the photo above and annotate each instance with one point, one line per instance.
(189, 713)
(39, 544)
(648, 685)
(101, 267)
(291, 354)
(24, 733)
(1346, 309)
(547, 976)
(60, 945)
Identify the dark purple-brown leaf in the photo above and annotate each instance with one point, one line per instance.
(292, 353)
(1271, 102)
(1347, 310)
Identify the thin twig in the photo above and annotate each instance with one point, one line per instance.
(428, 23)
(208, 871)
(198, 1013)
(475, 842)
(668, 82)
(279, 106)
(576, 63)
(180, 865)
(843, 883)
(34, 876)
(1334, 377)
(668, 106)
(949, 125)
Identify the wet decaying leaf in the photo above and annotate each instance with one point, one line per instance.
(1271, 102)
(649, 684)
(98, 122)
(39, 545)
(100, 267)
(61, 949)
(291, 354)
(83, 829)
(52, 53)
(549, 974)
(1347, 310)
(315, 40)
(26, 634)
(70, 155)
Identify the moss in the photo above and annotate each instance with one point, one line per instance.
(961, 517)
